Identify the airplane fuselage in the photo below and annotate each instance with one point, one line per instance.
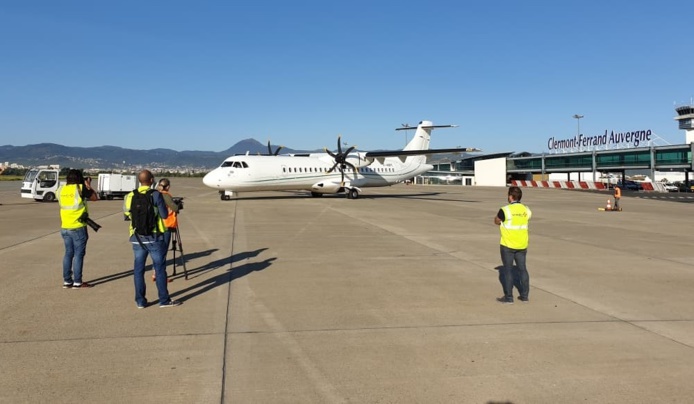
(246, 173)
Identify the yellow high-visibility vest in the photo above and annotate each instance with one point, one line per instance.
(514, 228)
(72, 206)
(127, 201)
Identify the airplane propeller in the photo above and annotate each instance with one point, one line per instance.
(341, 159)
(269, 149)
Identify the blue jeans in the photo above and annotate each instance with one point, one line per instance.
(167, 241)
(511, 276)
(75, 249)
(157, 250)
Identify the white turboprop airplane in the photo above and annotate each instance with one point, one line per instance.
(327, 173)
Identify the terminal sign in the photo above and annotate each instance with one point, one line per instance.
(582, 141)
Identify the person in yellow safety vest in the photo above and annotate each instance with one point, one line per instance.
(151, 245)
(617, 197)
(72, 198)
(171, 222)
(513, 220)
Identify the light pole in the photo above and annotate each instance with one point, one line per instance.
(578, 124)
(578, 133)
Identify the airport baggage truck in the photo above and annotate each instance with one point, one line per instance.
(41, 183)
(111, 186)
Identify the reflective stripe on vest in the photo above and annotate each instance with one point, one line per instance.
(71, 207)
(514, 228)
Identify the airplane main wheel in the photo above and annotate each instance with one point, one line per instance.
(352, 194)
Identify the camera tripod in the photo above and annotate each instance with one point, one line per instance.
(177, 245)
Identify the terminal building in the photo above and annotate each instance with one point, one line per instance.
(586, 161)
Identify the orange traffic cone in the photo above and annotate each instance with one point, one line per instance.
(609, 205)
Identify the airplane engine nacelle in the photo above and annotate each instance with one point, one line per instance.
(358, 159)
(326, 187)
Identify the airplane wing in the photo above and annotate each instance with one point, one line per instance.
(394, 153)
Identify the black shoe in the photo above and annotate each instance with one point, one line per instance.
(504, 300)
(171, 303)
(523, 299)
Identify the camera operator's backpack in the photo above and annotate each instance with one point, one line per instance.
(142, 215)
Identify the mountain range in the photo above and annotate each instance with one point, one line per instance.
(119, 158)
(113, 157)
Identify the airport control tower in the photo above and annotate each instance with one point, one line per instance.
(686, 118)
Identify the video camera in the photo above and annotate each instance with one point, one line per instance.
(89, 222)
(178, 201)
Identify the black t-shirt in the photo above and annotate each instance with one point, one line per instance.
(86, 193)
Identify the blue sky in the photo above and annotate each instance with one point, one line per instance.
(203, 75)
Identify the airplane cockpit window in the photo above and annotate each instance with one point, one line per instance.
(227, 164)
(237, 164)
(244, 164)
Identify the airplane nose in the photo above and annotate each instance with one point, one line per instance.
(211, 180)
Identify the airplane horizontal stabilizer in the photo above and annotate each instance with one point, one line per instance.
(427, 127)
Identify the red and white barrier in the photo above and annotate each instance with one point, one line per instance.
(647, 186)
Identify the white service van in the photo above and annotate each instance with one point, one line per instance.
(111, 186)
(41, 183)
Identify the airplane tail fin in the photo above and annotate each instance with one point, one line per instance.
(422, 137)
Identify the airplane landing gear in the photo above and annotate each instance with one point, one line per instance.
(352, 193)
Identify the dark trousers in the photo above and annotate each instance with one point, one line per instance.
(511, 276)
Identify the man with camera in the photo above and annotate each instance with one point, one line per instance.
(173, 205)
(74, 217)
(146, 210)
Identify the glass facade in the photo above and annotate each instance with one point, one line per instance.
(584, 161)
(675, 157)
(524, 164)
(624, 159)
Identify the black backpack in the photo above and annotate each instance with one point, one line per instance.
(142, 213)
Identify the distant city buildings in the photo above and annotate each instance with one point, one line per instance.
(156, 169)
(7, 165)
